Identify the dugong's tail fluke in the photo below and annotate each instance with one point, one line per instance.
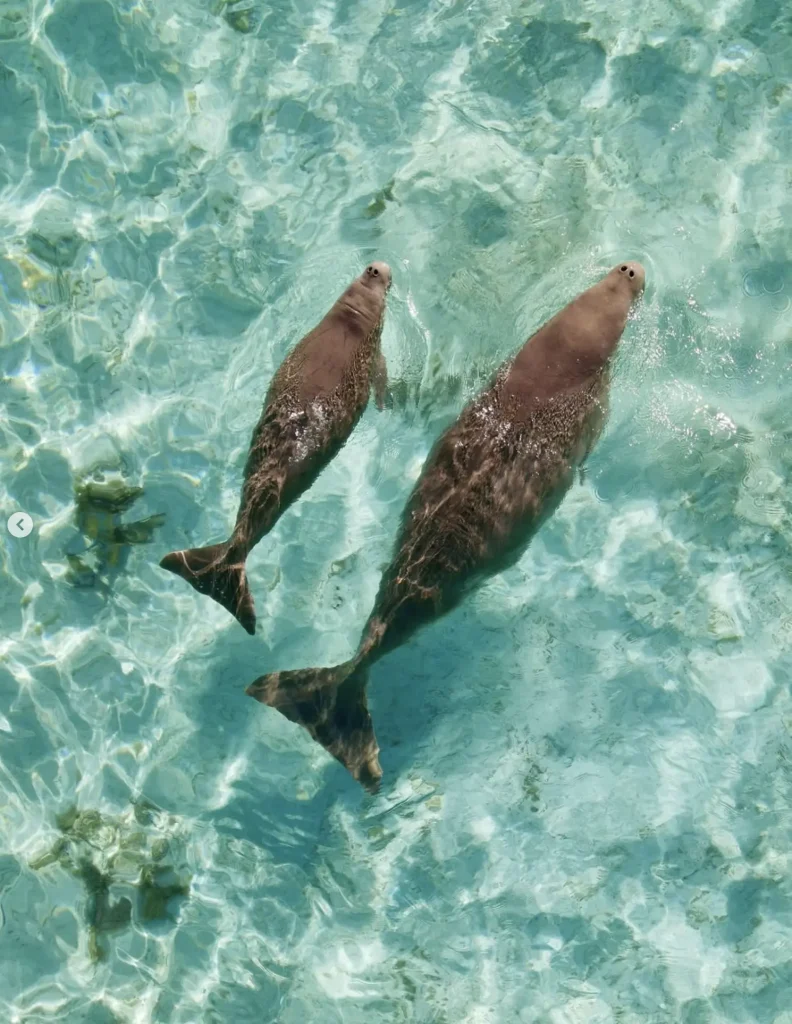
(210, 572)
(331, 704)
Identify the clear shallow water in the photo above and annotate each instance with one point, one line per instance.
(586, 811)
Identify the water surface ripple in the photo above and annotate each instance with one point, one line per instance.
(586, 814)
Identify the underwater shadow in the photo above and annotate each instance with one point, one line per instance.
(275, 801)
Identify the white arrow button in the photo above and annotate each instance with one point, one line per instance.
(20, 524)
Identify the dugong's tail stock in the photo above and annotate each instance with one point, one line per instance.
(331, 704)
(213, 572)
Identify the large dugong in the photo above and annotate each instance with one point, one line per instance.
(314, 401)
(488, 484)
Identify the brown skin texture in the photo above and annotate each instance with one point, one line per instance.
(488, 484)
(316, 398)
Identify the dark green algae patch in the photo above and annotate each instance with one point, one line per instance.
(124, 871)
(100, 501)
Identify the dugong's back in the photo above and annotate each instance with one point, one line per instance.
(331, 360)
(504, 466)
(485, 487)
(314, 401)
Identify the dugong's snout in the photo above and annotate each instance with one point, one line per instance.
(635, 274)
(379, 271)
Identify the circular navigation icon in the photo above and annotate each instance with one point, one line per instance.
(20, 524)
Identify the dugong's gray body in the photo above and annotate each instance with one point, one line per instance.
(488, 484)
(314, 401)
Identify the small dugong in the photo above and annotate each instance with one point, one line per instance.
(315, 399)
(487, 485)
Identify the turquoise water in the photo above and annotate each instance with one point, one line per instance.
(586, 808)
